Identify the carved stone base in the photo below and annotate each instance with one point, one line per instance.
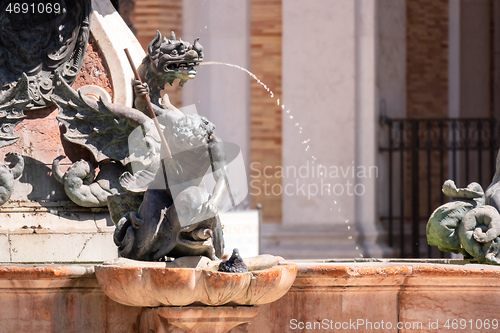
(309, 241)
(203, 319)
(59, 236)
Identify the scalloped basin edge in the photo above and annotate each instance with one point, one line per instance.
(155, 286)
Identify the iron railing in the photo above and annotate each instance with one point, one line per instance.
(418, 155)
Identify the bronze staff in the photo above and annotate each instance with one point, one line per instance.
(152, 114)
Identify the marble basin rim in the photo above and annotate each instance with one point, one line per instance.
(161, 286)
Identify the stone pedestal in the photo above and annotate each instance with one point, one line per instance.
(39, 223)
(193, 319)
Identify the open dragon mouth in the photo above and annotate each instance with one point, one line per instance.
(181, 69)
(186, 67)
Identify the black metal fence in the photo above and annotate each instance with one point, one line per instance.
(418, 155)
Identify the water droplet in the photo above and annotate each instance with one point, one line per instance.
(252, 75)
(361, 255)
(357, 248)
(288, 111)
(350, 237)
(278, 101)
(346, 221)
(291, 117)
(335, 201)
(283, 106)
(307, 148)
(206, 27)
(348, 227)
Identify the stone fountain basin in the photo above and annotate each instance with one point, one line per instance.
(160, 286)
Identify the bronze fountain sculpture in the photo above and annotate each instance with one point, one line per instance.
(470, 224)
(147, 169)
(158, 227)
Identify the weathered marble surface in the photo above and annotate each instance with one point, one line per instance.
(67, 298)
(388, 291)
(64, 298)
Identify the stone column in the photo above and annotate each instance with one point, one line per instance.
(367, 102)
(221, 92)
(330, 132)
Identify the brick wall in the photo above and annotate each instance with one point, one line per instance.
(266, 138)
(427, 58)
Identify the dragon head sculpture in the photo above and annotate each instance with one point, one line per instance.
(169, 60)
